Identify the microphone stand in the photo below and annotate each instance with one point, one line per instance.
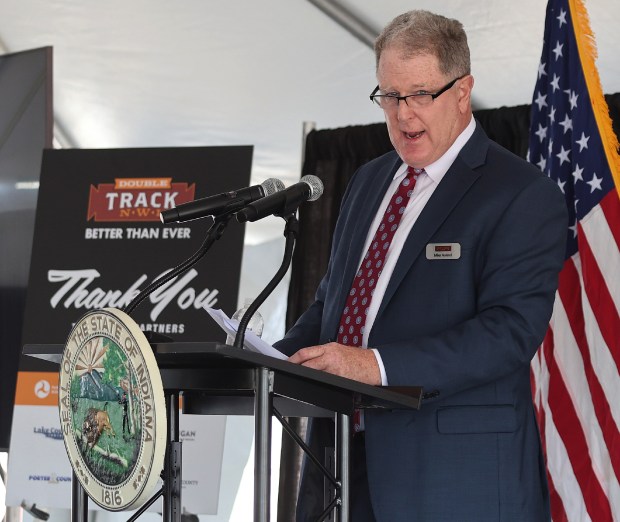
(263, 400)
(291, 231)
(213, 234)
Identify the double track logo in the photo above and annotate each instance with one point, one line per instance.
(136, 199)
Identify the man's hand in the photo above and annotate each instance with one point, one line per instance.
(359, 364)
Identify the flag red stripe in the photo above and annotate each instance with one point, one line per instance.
(558, 513)
(570, 293)
(571, 433)
(611, 208)
(601, 302)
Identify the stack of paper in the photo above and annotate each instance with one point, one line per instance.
(251, 342)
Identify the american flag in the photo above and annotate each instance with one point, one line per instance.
(575, 377)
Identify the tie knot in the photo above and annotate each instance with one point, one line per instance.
(416, 172)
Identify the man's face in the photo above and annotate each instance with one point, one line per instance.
(421, 135)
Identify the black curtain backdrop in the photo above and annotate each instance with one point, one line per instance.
(334, 155)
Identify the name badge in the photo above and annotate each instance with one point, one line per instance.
(443, 251)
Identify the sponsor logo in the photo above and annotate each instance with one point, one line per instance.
(50, 479)
(188, 435)
(42, 389)
(112, 410)
(36, 389)
(136, 199)
(50, 433)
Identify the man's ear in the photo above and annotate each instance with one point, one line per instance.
(465, 86)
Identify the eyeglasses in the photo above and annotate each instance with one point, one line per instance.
(418, 99)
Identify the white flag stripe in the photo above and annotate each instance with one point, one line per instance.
(535, 374)
(604, 249)
(601, 358)
(558, 462)
(570, 365)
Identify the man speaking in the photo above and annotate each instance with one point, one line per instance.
(442, 274)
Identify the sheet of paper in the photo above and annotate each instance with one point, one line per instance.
(251, 342)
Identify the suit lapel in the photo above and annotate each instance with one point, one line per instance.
(460, 176)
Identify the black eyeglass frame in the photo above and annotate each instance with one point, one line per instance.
(433, 95)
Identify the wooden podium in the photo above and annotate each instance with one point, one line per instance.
(215, 378)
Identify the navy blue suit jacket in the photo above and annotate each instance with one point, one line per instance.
(463, 328)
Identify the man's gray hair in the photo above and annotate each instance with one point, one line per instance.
(422, 32)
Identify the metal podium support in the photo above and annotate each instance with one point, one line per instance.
(217, 379)
(79, 500)
(343, 430)
(262, 443)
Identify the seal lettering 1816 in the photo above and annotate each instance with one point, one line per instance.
(112, 410)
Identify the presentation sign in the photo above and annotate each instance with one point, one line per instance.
(98, 241)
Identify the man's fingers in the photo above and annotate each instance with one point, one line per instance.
(306, 354)
(317, 363)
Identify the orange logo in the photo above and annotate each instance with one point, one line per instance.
(136, 199)
(37, 389)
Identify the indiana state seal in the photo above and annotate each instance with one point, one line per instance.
(112, 410)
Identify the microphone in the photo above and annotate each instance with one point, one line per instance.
(309, 188)
(221, 203)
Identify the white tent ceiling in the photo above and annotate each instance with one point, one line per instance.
(149, 73)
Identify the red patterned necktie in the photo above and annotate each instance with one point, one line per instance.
(353, 319)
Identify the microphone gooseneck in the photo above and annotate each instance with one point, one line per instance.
(291, 231)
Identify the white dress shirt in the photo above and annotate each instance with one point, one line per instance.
(422, 192)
